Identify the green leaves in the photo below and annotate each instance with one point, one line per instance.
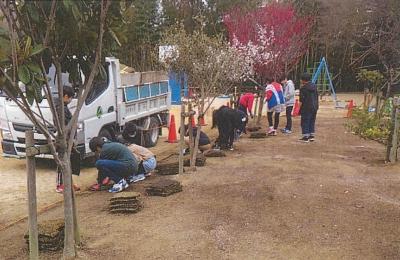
(114, 36)
(34, 68)
(31, 75)
(37, 49)
(28, 44)
(24, 74)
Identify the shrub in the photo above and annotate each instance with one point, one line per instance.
(369, 126)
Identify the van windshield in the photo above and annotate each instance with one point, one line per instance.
(100, 84)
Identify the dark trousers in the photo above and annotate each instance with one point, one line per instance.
(276, 119)
(289, 110)
(75, 166)
(115, 170)
(244, 110)
(308, 123)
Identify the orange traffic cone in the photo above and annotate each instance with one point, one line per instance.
(202, 121)
(350, 107)
(172, 131)
(296, 109)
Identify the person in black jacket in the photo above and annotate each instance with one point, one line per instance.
(68, 94)
(308, 108)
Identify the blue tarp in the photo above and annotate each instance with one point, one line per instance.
(175, 85)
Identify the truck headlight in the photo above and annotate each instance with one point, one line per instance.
(6, 135)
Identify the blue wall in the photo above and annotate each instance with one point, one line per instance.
(175, 85)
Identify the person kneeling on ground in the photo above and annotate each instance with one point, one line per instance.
(115, 162)
(204, 141)
(147, 160)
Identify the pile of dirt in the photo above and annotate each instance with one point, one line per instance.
(164, 188)
(50, 235)
(215, 153)
(125, 203)
(200, 160)
(258, 135)
(253, 129)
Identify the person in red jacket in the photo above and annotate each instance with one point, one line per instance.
(246, 106)
(246, 103)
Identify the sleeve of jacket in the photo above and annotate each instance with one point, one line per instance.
(291, 90)
(302, 96)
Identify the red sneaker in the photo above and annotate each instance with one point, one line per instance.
(60, 188)
(105, 181)
(76, 187)
(95, 187)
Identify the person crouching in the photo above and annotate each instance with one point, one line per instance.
(115, 161)
(147, 160)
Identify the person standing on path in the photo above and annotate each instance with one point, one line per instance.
(276, 102)
(68, 94)
(289, 94)
(308, 108)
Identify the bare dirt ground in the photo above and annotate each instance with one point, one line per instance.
(274, 198)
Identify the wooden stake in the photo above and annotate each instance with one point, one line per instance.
(191, 141)
(365, 97)
(260, 107)
(182, 131)
(395, 143)
(32, 205)
(255, 110)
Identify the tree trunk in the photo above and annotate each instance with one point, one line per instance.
(69, 241)
(76, 223)
(191, 146)
(196, 142)
(393, 140)
(182, 127)
(260, 107)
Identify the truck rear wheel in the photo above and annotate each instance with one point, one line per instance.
(151, 136)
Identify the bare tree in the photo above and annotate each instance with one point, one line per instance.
(37, 37)
(212, 67)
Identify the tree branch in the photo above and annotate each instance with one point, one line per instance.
(72, 126)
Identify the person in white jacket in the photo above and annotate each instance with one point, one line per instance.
(289, 94)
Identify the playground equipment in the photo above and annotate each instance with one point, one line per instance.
(323, 79)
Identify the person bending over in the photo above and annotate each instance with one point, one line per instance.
(115, 161)
(204, 141)
(276, 104)
(147, 160)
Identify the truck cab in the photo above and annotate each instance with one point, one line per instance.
(140, 98)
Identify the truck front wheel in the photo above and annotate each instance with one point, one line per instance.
(104, 132)
(151, 135)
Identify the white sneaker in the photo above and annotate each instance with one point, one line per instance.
(271, 131)
(139, 177)
(120, 186)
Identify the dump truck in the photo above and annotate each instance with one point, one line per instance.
(140, 98)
